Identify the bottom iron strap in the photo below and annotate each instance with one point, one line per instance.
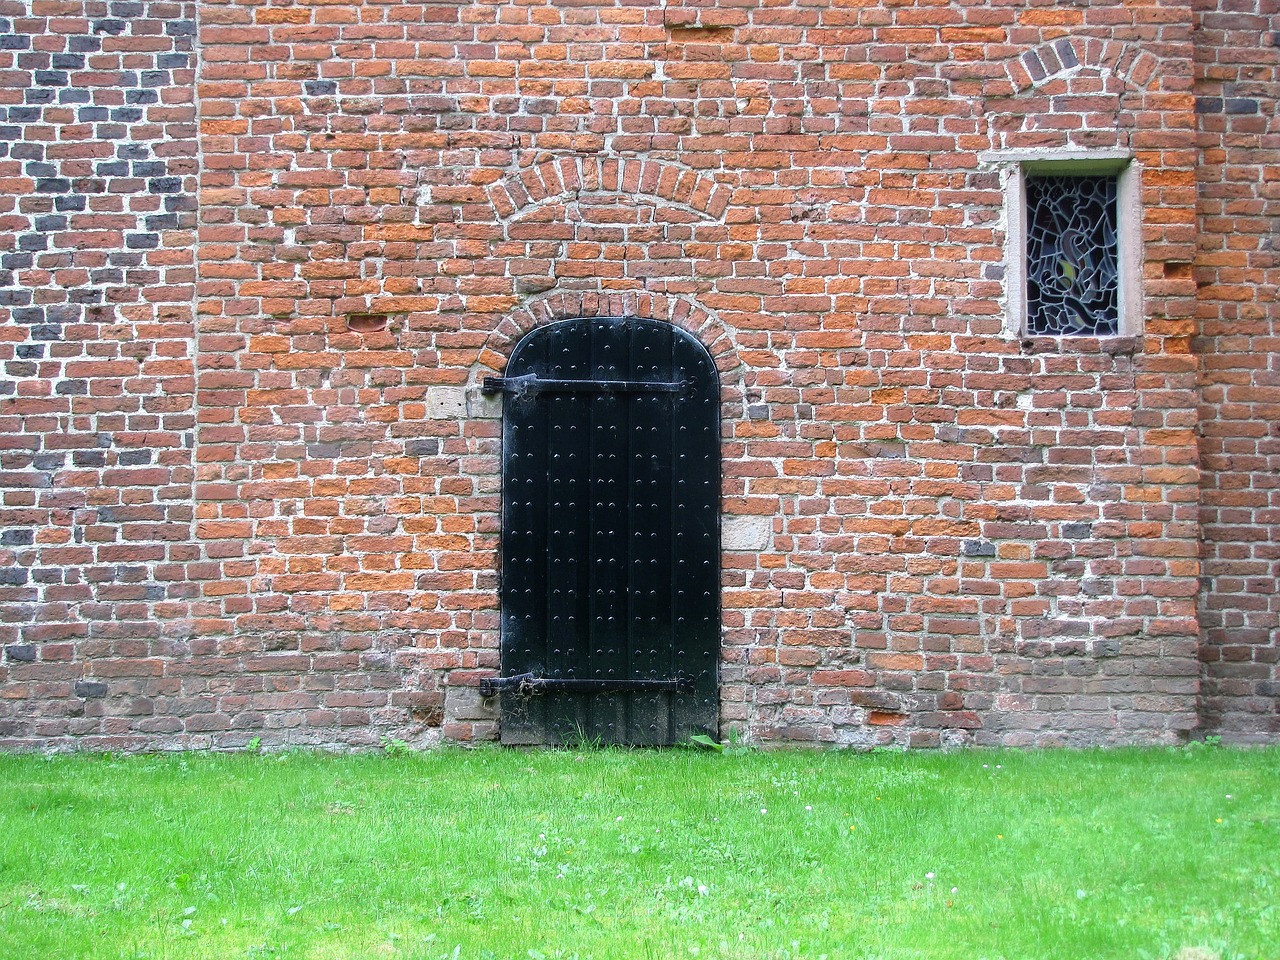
(527, 685)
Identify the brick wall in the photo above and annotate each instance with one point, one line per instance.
(98, 160)
(967, 536)
(1238, 272)
(936, 531)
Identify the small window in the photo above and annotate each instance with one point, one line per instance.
(1073, 256)
(1074, 244)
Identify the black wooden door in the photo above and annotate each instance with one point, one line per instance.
(610, 535)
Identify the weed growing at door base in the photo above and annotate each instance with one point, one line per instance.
(619, 854)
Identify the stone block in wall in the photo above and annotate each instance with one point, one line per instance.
(481, 405)
(466, 704)
(746, 533)
(446, 403)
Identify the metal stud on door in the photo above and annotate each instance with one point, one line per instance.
(610, 535)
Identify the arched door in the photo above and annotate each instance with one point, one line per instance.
(610, 535)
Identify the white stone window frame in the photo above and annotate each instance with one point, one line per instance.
(1015, 167)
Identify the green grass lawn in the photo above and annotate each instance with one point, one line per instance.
(618, 854)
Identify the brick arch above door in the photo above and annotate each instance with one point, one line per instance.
(679, 312)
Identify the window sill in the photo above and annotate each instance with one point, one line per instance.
(1116, 346)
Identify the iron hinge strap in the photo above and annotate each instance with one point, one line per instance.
(528, 685)
(530, 383)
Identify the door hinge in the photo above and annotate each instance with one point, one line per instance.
(529, 685)
(530, 383)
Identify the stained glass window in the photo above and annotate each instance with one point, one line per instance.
(1073, 279)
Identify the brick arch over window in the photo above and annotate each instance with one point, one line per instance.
(1060, 58)
(574, 175)
(704, 325)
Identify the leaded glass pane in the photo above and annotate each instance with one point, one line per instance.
(1073, 281)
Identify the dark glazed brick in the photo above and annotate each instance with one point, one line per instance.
(979, 548)
(62, 313)
(20, 652)
(90, 689)
(1241, 105)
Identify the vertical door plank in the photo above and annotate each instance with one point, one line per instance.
(568, 529)
(524, 538)
(649, 533)
(609, 430)
(695, 449)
